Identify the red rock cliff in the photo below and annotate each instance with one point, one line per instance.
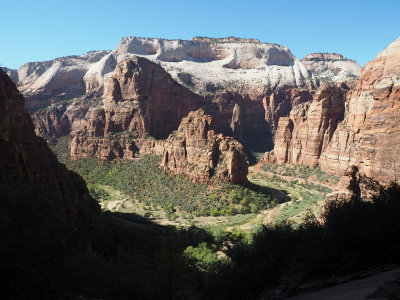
(303, 135)
(197, 150)
(369, 135)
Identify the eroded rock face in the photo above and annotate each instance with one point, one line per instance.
(27, 158)
(208, 65)
(354, 184)
(162, 101)
(141, 101)
(197, 150)
(204, 65)
(331, 67)
(50, 81)
(337, 130)
(369, 135)
(302, 136)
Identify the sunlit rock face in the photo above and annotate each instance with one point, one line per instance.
(350, 124)
(369, 135)
(304, 135)
(331, 67)
(49, 81)
(197, 150)
(208, 65)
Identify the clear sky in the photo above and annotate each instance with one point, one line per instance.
(42, 30)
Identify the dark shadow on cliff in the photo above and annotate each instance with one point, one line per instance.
(45, 255)
(256, 145)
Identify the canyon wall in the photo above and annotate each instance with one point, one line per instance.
(26, 158)
(369, 134)
(342, 127)
(142, 106)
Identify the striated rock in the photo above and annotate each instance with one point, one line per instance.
(280, 103)
(162, 101)
(45, 82)
(206, 65)
(369, 136)
(27, 158)
(305, 134)
(338, 129)
(331, 67)
(142, 100)
(197, 150)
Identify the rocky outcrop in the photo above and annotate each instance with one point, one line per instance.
(50, 81)
(331, 67)
(369, 135)
(302, 136)
(280, 103)
(162, 102)
(143, 101)
(26, 158)
(354, 184)
(197, 150)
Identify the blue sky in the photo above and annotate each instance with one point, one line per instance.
(42, 30)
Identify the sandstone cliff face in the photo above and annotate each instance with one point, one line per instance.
(208, 65)
(143, 105)
(12, 73)
(162, 101)
(331, 67)
(62, 78)
(25, 157)
(369, 135)
(338, 129)
(141, 101)
(204, 65)
(302, 136)
(197, 150)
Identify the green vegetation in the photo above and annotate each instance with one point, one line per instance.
(204, 257)
(352, 236)
(144, 181)
(301, 171)
(299, 209)
(46, 254)
(304, 194)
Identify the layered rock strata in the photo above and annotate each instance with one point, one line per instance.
(367, 137)
(302, 136)
(331, 67)
(204, 65)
